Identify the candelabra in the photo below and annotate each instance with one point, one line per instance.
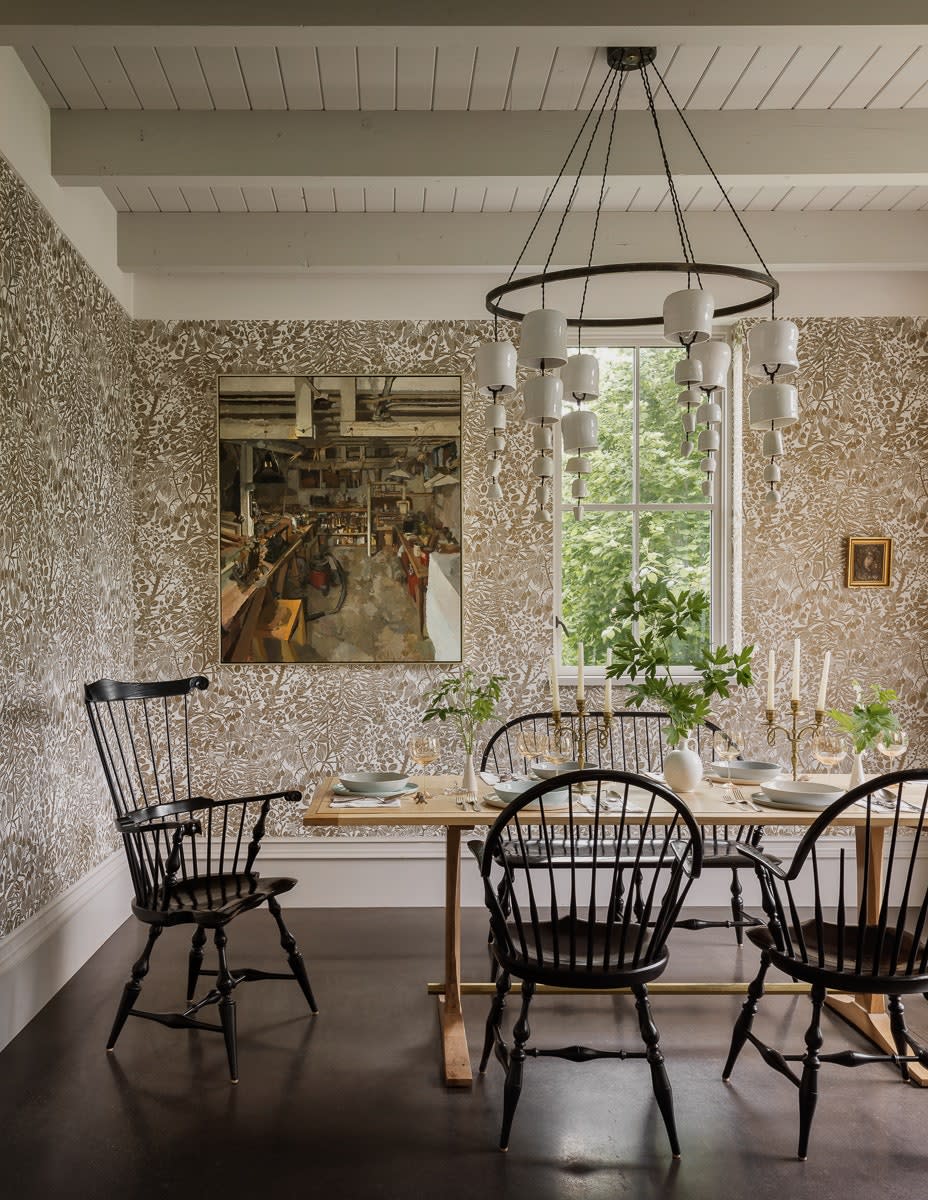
(580, 740)
(793, 733)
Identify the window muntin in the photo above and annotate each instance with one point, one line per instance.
(645, 511)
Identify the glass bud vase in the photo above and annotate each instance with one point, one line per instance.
(683, 766)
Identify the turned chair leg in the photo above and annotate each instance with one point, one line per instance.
(225, 984)
(808, 1084)
(130, 993)
(294, 957)
(512, 1089)
(659, 1081)
(746, 1017)
(195, 962)
(896, 1011)
(494, 1018)
(737, 905)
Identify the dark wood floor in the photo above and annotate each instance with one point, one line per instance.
(350, 1104)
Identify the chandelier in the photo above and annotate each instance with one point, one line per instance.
(687, 319)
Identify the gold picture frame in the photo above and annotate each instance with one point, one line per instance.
(869, 561)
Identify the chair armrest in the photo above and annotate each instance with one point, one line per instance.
(475, 846)
(291, 796)
(762, 861)
(130, 824)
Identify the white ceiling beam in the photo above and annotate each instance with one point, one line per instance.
(169, 242)
(273, 148)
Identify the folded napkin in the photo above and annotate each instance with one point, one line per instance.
(365, 802)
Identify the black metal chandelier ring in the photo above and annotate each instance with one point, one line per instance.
(771, 286)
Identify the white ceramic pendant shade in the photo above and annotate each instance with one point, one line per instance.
(543, 395)
(773, 348)
(715, 358)
(692, 397)
(543, 344)
(495, 416)
(773, 406)
(580, 377)
(496, 368)
(688, 316)
(688, 372)
(580, 431)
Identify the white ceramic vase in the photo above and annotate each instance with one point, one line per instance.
(469, 777)
(683, 767)
(857, 771)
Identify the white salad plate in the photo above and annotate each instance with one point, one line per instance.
(375, 783)
(743, 771)
(807, 796)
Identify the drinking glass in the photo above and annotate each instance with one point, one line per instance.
(892, 744)
(423, 749)
(730, 746)
(829, 747)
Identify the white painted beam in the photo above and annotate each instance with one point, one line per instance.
(189, 148)
(334, 241)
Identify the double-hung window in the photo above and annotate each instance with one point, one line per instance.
(645, 514)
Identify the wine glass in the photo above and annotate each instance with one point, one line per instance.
(892, 743)
(423, 749)
(533, 744)
(730, 747)
(829, 747)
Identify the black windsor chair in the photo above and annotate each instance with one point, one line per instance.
(588, 916)
(636, 742)
(863, 935)
(191, 859)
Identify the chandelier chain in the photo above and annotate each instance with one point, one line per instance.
(711, 169)
(576, 184)
(560, 176)
(599, 204)
(682, 230)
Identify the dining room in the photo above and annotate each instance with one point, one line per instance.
(465, 494)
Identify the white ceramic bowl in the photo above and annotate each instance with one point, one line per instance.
(819, 794)
(743, 771)
(506, 792)
(547, 770)
(374, 783)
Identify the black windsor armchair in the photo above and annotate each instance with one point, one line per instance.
(588, 916)
(191, 858)
(636, 741)
(863, 935)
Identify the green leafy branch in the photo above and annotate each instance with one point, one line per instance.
(866, 722)
(465, 703)
(643, 654)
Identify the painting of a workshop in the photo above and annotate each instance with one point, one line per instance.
(340, 518)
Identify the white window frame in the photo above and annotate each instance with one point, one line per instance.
(723, 533)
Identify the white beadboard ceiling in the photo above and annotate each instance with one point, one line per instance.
(796, 71)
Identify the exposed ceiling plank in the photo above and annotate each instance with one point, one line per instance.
(492, 72)
(41, 78)
(88, 148)
(874, 76)
(223, 76)
(377, 77)
(289, 241)
(261, 73)
(70, 76)
(108, 75)
(299, 71)
(530, 75)
(415, 78)
(759, 76)
(185, 75)
(454, 73)
(149, 82)
(338, 77)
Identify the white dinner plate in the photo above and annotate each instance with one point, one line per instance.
(809, 791)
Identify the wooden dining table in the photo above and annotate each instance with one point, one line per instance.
(710, 803)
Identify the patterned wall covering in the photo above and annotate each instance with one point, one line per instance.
(65, 548)
(855, 464)
(266, 724)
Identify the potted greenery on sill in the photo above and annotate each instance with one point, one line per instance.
(466, 704)
(648, 622)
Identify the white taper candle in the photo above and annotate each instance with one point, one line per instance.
(555, 692)
(608, 697)
(580, 691)
(794, 695)
(823, 682)
(771, 674)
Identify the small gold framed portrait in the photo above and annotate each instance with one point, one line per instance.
(869, 561)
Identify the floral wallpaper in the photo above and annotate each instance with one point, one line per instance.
(65, 549)
(856, 463)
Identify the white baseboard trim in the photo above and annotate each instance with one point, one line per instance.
(39, 957)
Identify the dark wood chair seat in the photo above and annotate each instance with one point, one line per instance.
(213, 900)
(191, 858)
(882, 955)
(610, 947)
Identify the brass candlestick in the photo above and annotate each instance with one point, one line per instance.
(794, 733)
(583, 735)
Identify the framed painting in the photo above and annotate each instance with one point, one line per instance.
(869, 561)
(339, 518)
